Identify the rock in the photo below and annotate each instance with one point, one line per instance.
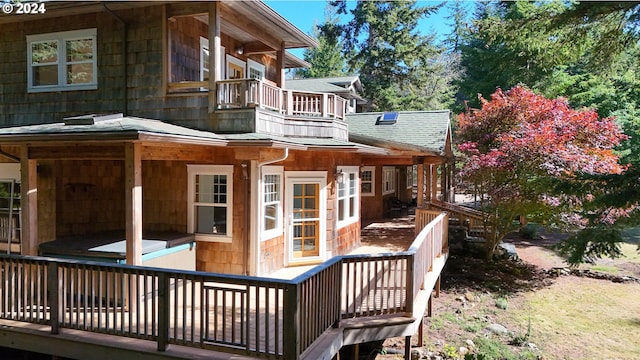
(415, 354)
(532, 346)
(463, 351)
(470, 344)
(497, 329)
(470, 297)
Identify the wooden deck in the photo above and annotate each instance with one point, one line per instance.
(347, 300)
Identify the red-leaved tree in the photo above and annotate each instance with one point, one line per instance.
(516, 143)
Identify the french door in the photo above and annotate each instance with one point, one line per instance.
(306, 214)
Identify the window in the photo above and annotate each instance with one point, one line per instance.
(368, 181)
(272, 202)
(235, 68)
(256, 70)
(409, 177)
(388, 180)
(210, 202)
(204, 59)
(348, 200)
(62, 61)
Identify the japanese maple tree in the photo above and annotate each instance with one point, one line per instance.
(517, 143)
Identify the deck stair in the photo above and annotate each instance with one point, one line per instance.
(466, 225)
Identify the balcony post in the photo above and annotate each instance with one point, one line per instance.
(289, 103)
(324, 107)
(410, 284)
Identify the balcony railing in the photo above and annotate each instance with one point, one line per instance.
(256, 316)
(245, 93)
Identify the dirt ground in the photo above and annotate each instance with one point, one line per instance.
(471, 286)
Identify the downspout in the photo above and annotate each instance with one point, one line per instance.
(125, 93)
(257, 222)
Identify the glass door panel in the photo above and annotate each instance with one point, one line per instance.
(305, 240)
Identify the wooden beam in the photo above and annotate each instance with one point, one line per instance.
(133, 203)
(29, 194)
(77, 152)
(250, 27)
(402, 160)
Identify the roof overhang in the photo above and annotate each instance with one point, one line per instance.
(395, 147)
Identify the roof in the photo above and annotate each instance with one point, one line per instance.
(116, 127)
(128, 127)
(336, 85)
(426, 131)
(265, 25)
(300, 143)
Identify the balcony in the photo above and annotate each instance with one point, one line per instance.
(372, 296)
(250, 105)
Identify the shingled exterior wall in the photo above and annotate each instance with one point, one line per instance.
(144, 56)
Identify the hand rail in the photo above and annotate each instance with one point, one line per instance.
(217, 311)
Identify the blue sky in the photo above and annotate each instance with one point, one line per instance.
(306, 13)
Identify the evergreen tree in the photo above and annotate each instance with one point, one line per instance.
(399, 68)
(327, 59)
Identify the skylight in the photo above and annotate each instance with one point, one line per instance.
(387, 118)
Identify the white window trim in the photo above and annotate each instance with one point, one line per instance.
(278, 230)
(252, 64)
(346, 170)
(237, 62)
(192, 171)
(372, 169)
(204, 45)
(409, 177)
(385, 170)
(308, 177)
(62, 64)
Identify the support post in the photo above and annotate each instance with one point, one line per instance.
(163, 311)
(420, 202)
(54, 284)
(133, 203)
(29, 195)
(407, 347)
(291, 322)
(215, 56)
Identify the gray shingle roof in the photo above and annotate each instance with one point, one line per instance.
(126, 125)
(314, 85)
(415, 130)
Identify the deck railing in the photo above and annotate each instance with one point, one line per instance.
(229, 313)
(465, 215)
(244, 93)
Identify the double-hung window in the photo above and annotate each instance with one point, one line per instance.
(368, 181)
(271, 202)
(388, 180)
(62, 61)
(348, 200)
(210, 212)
